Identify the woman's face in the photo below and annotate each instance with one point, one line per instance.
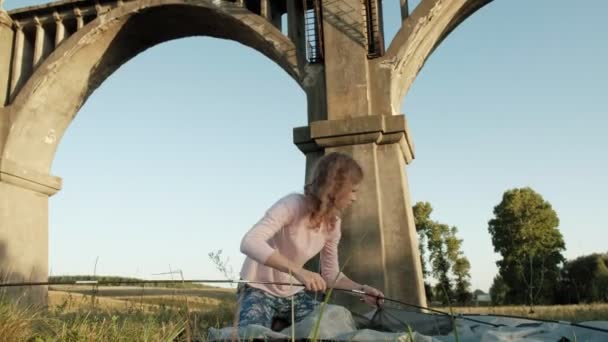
(347, 196)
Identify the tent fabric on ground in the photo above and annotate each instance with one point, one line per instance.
(391, 323)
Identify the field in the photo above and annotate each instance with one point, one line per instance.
(174, 314)
(147, 299)
(120, 314)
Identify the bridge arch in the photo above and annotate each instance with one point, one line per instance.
(43, 109)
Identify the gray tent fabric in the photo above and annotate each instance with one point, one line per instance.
(397, 319)
(337, 324)
(596, 324)
(394, 324)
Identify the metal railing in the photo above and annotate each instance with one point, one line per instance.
(313, 30)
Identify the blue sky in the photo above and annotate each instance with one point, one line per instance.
(181, 150)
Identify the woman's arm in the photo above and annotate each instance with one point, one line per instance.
(346, 283)
(375, 296)
(255, 243)
(313, 281)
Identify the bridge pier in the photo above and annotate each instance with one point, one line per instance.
(24, 203)
(379, 243)
(6, 51)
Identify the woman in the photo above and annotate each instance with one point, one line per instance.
(292, 232)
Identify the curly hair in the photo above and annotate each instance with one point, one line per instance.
(331, 174)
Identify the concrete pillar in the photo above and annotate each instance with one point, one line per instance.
(269, 10)
(379, 244)
(265, 11)
(98, 8)
(276, 15)
(79, 18)
(60, 33)
(23, 193)
(44, 43)
(23, 57)
(345, 54)
(6, 51)
(17, 62)
(38, 43)
(295, 30)
(405, 12)
(24, 197)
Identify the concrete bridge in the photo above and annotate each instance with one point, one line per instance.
(53, 56)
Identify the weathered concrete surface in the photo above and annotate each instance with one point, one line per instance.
(24, 196)
(379, 243)
(23, 240)
(6, 50)
(345, 59)
(364, 97)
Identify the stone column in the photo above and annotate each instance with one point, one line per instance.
(79, 18)
(39, 42)
(345, 54)
(379, 244)
(17, 62)
(44, 43)
(265, 10)
(24, 197)
(6, 51)
(60, 33)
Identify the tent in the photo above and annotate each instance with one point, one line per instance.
(397, 322)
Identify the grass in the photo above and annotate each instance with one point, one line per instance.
(80, 317)
(19, 323)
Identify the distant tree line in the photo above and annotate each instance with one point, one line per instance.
(532, 269)
(117, 279)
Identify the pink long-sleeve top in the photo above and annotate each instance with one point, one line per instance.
(286, 228)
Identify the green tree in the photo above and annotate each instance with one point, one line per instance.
(585, 280)
(440, 262)
(525, 232)
(422, 219)
(460, 267)
(439, 244)
(498, 291)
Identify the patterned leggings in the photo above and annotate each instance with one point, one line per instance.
(259, 307)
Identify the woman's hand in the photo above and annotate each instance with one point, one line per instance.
(311, 280)
(372, 297)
